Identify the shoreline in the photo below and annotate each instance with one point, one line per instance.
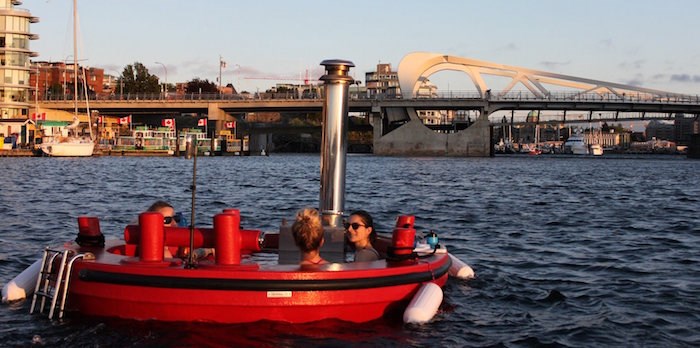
(166, 153)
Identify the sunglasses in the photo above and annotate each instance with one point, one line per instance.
(168, 219)
(354, 225)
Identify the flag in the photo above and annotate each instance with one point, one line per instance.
(38, 117)
(100, 119)
(202, 122)
(231, 124)
(125, 120)
(168, 122)
(223, 64)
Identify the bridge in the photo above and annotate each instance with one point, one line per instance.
(399, 131)
(455, 100)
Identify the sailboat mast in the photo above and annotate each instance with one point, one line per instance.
(75, 56)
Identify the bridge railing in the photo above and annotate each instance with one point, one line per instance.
(637, 97)
(188, 97)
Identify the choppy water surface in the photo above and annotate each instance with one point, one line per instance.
(573, 252)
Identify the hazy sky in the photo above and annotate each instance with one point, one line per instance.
(653, 44)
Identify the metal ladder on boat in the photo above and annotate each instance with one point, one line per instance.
(52, 283)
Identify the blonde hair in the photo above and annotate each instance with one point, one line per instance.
(307, 230)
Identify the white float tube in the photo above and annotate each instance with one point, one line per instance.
(460, 269)
(22, 285)
(424, 304)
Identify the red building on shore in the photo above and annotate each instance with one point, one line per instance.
(54, 80)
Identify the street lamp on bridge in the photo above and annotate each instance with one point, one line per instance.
(165, 85)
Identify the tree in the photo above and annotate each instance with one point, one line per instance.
(136, 79)
(201, 86)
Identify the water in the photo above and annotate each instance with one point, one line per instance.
(572, 252)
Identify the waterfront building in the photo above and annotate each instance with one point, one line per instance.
(426, 89)
(54, 80)
(382, 83)
(14, 59)
(684, 128)
(678, 130)
(610, 139)
(660, 130)
(180, 88)
(432, 117)
(111, 85)
(16, 132)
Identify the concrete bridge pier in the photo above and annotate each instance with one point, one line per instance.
(215, 113)
(399, 132)
(259, 141)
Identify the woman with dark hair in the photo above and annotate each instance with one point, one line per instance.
(308, 236)
(361, 234)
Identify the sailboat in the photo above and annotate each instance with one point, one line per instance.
(72, 145)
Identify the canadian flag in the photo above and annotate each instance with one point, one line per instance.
(37, 117)
(125, 120)
(168, 122)
(100, 119)
(230, 124)
(202, 122)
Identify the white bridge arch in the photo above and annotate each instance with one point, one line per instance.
(417, 66)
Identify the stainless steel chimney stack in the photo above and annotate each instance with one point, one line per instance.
(334, 141)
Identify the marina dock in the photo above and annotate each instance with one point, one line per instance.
(17, 153)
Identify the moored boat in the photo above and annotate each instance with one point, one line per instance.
(534, 151)
(161, 139)
(68, 147)
(145, 138)
(576, 145)
(72, 145)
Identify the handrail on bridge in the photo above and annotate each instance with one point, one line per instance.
(638, 97)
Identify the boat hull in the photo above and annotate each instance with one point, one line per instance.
(68, 149)
(121, 286)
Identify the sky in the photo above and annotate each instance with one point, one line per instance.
(651, 44)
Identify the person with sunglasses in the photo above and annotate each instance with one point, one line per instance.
(307, 231)
(173, 219)
(170, 219)
(361, 234)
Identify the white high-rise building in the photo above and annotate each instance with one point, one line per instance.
(15, 65)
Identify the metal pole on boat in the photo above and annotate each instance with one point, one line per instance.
(191, 151)
(334, 140)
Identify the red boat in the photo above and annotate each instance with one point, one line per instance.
(124, 279)
(131, 278)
